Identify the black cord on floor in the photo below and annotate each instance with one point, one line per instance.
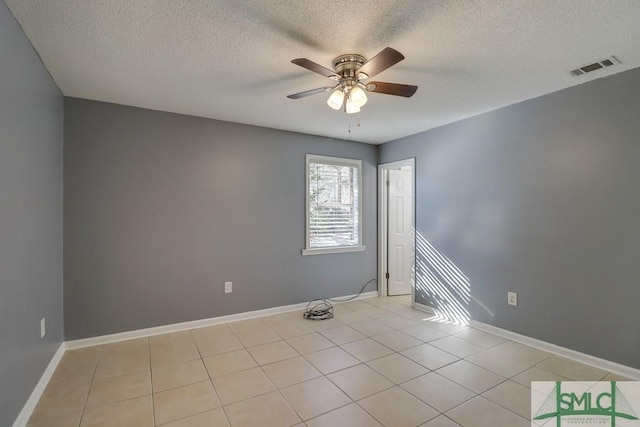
(322, 309)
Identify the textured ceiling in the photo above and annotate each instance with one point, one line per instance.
(230, 60)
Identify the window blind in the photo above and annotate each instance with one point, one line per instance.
(333, 203)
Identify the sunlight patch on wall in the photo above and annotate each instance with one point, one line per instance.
(439, 281)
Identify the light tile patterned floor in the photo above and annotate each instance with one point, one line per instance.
(377, 363)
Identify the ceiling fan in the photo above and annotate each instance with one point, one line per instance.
(350, 71)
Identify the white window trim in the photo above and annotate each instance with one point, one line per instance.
(336, 249)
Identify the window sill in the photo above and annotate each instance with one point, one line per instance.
(322, 251)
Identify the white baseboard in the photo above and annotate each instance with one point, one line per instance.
(606, 365)
(424, 308)
(195, 324)
(30, 405)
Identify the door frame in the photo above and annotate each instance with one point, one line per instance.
(383, 194)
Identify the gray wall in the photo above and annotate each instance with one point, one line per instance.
(31, 108)
(540, 198)
(162, 209)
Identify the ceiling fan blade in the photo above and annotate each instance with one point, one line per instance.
(311, 92)
(392, 88)
(316, 68)
(381, 62)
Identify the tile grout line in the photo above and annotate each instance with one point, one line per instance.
(195, 343)
(498, 403)
(366, 336)
(153, 395)
(93, 376)
(245, 348)
(459, 358)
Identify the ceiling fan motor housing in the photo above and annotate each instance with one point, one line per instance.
(346, 66)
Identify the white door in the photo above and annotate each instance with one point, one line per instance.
(400, 235)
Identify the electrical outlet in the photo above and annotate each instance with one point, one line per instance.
(228, 287)
(43, 329)
(512, 298)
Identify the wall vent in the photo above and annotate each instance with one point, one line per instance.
(607, 62)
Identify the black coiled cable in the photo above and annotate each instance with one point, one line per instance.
(321, 309)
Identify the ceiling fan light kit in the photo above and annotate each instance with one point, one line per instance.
(358, 96)
(349, 71)
(336, 99)
(351, 107)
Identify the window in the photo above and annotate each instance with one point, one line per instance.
(334, 207)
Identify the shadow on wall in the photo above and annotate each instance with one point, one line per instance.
(440, 284)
